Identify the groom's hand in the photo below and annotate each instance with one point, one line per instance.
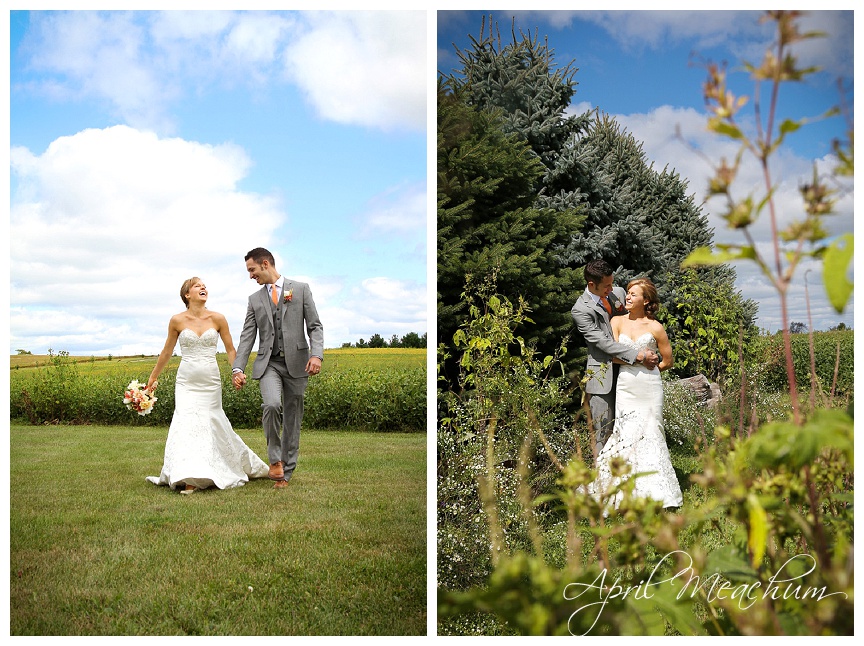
(239, 380)
(313, 366)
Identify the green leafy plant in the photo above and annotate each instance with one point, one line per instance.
(703, 329)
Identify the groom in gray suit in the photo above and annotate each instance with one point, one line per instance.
(282, 315)
(592, 312)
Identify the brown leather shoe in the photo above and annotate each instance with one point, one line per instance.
(280, 484)
(276, 471)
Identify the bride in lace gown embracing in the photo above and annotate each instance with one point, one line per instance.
(202, 449)
(638, 435)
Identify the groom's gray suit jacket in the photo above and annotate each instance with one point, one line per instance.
(299, 322)
(592, 320)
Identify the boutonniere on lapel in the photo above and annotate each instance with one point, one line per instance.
(288, 296)
(615, 304)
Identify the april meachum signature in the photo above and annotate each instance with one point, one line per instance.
(714, 587)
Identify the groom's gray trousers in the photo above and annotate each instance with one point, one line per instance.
(282, 406)
(602, 407)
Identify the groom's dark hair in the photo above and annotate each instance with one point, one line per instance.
(259, 255)
(596, 270)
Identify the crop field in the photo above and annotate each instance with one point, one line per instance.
(335, 359)
(358, 389)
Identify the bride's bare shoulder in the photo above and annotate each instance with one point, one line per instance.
(657, 329)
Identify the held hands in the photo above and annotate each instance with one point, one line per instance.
(650, 359)
(313, 367)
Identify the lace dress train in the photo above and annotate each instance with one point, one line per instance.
(202, 448)
(638, 435)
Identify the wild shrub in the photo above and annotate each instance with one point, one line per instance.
(375, 400)
(486, 440)
(833, 351)
(687, 422)
(385, 399)
(780, 499)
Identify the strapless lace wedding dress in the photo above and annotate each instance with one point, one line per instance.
(638, 433)
(202, 449)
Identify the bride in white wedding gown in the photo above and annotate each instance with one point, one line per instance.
(202, 450)
(638, 435)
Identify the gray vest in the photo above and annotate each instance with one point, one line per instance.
(278, 349)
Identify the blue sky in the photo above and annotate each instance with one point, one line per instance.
(149, 147)
(636, 66)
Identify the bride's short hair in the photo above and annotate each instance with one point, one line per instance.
(649, 293)
(184, 289)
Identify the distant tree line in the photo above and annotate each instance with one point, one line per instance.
(410, 340)
(796, 327)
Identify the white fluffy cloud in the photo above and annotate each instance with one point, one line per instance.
(144, 63)
(106, 224)
(400, 211)
(366, 68)
(636, 30)
(378, 304)
(661, 145)
(139, 201)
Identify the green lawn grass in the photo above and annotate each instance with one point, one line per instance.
(95, 549)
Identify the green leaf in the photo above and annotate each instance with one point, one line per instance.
(729, 562)
(837, 258)
(643, 618)
(758, 536)
(787, 443)
(675, 604)
(788, 126)
(725, 253)
(726, 129)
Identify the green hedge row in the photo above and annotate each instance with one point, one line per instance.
(767, 361)
(381, 400)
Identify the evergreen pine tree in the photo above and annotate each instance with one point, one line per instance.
(639, 220)
(489, 224)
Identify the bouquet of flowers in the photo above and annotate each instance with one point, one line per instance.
(138, 398)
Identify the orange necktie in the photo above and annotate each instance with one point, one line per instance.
(606, 305)
(274, 294)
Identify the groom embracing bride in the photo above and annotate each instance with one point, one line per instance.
(593, 313)
(627, 350)
(282, 315)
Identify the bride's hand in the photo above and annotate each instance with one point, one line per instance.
(651, 360)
